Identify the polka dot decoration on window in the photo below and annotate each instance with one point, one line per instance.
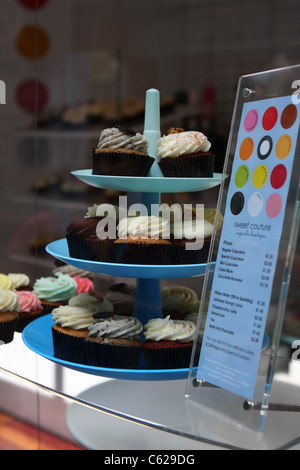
(32, 95)
(32, 42)
(32, 4)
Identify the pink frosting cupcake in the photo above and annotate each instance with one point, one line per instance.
(30, 308)
(84, 285)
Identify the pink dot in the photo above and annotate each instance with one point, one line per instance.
(274, 205)
(32, 95)
(251, 120)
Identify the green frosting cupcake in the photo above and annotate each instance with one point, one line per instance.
(55, 291)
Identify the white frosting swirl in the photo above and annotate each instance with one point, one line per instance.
(144, 227)
(170, 330)
(179, 299)
(182, 143)
(19, 280)
(79, 312)
(76, 317)
(9, 301)
(192, 229)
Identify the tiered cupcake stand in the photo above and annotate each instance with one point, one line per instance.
(38, 337)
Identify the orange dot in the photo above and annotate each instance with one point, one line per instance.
(32, 42)
(246, 148)
(283, 146)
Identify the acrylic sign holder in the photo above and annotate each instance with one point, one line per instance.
(230, 378)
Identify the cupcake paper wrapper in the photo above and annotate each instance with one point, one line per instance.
(98, 250)
(181, 255)
(7, 330)
(118, 164)
(68, 348)
(168, 357)
(112, 356)
(142, 253)
(24, 320)
(201, 166)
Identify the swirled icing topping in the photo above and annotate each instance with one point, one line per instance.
(72, 271)
(144, 227)
(182, 143)
(29, 302)
(78, 313)
(74, 317)
(117, 326)
(122, 139)
(55, 289)
(6, 283)
(84, 284)
(19, 280)
(159, 329)
(192, 229)
(178, 299)
(9, 301)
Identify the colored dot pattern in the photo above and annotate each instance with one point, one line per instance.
(264, 156)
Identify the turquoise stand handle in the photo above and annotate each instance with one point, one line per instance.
(147, 300)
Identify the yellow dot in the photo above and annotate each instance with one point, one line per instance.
(260, 176)
(32, 42)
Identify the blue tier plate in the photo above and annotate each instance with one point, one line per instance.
(37, 336)
(148, 184)
(59, 249)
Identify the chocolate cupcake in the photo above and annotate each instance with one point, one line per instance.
(114, 342)
(92, 237)
(122, 297)
(121, 152)
(168, 343)
(185, 155)
(143, 240)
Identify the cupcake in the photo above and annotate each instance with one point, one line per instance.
(143, 240)
(122, 297)
(30, 308)
(92, 238)
(54, 291)
(178, 301)
(191, 241)
(168, 343)
(84, 285)
(6, 283)
(9, 314)
(114, 342)
(121, 152)
(70, 327)
(185, 155)
(20, 281)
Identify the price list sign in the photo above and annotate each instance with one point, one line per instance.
(249, 244)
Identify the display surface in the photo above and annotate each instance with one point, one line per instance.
(148, 184)
(59, 249)
(37, 336)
